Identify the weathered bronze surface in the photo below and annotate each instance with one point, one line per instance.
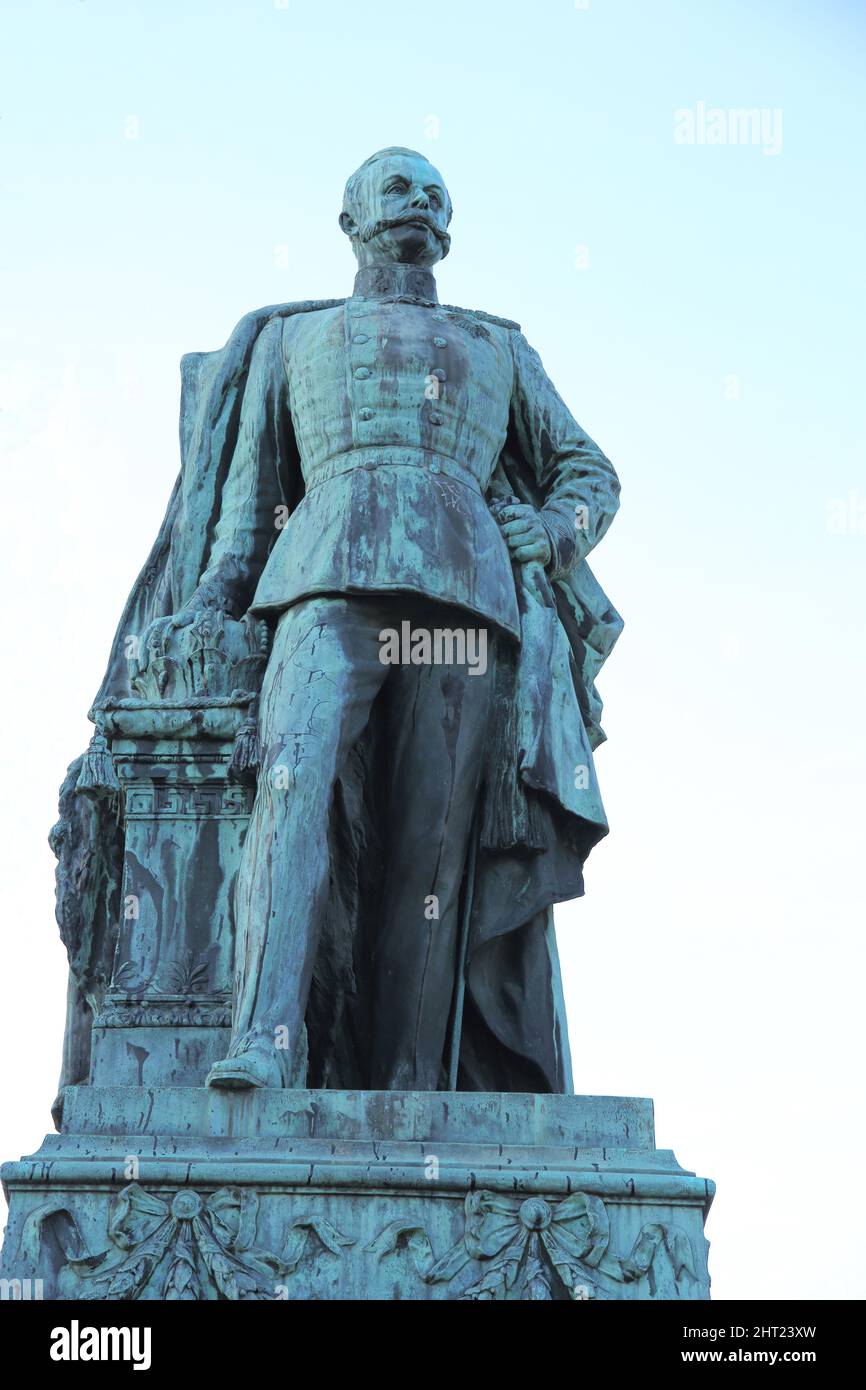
(342, 771)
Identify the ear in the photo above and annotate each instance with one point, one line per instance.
(348, 224)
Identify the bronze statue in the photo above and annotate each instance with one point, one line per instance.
(354, 470)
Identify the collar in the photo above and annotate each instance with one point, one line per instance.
(394, 280)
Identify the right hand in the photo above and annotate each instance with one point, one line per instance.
(206, 598)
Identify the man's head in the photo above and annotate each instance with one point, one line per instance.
(396, 208)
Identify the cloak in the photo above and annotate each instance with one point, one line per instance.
(540, 812)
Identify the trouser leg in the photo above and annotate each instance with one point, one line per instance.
(437, 721)
(321, 681)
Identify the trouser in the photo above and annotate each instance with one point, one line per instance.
(322, 679)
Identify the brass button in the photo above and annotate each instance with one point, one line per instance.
(435, 418)
(439, 374)
(366, 413)
(360, 338)
(440, 342)
(434, 468)
(362, 373)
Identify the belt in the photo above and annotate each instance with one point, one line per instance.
(389, 456)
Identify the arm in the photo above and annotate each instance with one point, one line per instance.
(578, 484)
(252, 491)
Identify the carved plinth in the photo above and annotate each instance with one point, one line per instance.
(188, 1193)
(167, 1015)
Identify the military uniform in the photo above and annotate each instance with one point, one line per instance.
(394, 411)
(399, 412)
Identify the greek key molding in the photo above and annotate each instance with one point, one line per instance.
(179, 802)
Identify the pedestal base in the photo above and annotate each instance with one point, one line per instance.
(197, 1194)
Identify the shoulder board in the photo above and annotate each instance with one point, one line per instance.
(480, 314)
(307, 306)
(494, 318)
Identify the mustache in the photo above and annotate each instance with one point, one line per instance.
(384, 224)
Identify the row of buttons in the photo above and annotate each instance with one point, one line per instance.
(360, 338)
(435, 418)
(366, 413)
(364, 374)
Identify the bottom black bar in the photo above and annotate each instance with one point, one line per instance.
(67, 1338)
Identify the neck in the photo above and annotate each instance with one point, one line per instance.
(395, 280)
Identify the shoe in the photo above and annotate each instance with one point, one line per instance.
(244, 1072)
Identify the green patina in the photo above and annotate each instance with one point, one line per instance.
(307, 889)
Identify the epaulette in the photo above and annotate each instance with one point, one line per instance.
(473, 319)
(309, 306)
(494, 318)
(298, 306)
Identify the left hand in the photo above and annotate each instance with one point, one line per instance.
(524, 533)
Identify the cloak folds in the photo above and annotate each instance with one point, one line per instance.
(541, 811)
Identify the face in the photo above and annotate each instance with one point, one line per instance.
(402, 213)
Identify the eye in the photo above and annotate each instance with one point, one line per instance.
(435, 201)
(396, 186)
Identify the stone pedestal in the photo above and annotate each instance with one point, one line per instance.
(160, 1193)
(157, 1188)
(167, 1015)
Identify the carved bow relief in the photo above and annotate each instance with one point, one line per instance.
(535, 1248)
(189, 1246)
(183, 1247)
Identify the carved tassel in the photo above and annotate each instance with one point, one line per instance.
(244, 762)
(510, 815)
(97, 776)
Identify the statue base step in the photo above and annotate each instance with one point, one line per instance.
(170, 1193)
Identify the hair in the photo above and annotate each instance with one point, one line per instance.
(354, 182)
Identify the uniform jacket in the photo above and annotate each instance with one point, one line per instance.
(368, 438)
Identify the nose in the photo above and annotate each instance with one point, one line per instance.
(419, 199)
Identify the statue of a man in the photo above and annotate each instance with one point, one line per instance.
(397, 488)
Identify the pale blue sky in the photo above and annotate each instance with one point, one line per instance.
(713, 346)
